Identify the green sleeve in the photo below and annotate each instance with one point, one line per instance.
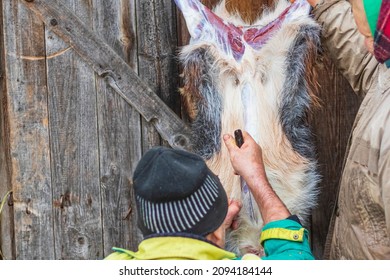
(285, 240)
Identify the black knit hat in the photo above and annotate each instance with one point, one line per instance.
(176, 192)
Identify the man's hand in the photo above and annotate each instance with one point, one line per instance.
(247, 161)
(231, 217)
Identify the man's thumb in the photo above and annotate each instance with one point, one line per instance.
(229, 142)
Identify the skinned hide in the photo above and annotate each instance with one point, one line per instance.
(253, 78)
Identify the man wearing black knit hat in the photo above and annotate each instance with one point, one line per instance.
(183, 210)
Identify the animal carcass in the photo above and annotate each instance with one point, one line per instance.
(255, 78)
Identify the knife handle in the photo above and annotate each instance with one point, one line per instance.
(238, 137)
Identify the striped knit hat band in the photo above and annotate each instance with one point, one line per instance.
(181, 215)
(176, 192)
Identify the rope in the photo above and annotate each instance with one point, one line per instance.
(4, 199)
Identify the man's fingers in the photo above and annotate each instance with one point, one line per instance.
(233, 210)
(235, 224)
(229, 142)
(247, 136)
(232, 147)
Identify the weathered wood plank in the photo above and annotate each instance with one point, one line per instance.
(119, 129)
(332, 125)
(107, 63)
(6, 217)
(28, 132)
(157, 46)
(74, 147)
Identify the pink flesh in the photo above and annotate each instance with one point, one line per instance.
(228, 36)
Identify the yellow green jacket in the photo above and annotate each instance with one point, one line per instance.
(282, 240)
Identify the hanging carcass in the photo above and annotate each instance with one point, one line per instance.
(256, 78)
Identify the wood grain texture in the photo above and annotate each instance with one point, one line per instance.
(6, 217)
(157, 46)
(117, 72)
(74, 147)
(28, 133)
(332, 125)
(119, 129)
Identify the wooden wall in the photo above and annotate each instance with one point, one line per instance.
(69, 143)
(73, 142)
(6, 232)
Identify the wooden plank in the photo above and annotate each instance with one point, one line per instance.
(119, 130)
(74, 147)
(157, 47)
(108, 64)
(26, 108)
(331, 125)
(6, 216)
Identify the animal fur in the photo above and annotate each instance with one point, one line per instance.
(266, 92)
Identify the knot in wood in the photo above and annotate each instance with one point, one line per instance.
(53, 22)
(11, 199)
(181, 141)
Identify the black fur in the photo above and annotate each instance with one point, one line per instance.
(296, 100)
(206, 128)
